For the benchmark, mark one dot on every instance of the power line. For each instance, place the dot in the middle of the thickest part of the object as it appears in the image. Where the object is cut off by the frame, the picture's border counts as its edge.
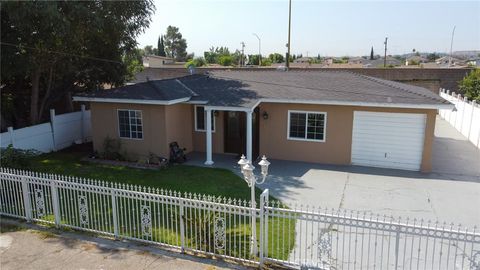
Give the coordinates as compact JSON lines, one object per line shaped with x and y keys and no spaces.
{"x":62,"y":53}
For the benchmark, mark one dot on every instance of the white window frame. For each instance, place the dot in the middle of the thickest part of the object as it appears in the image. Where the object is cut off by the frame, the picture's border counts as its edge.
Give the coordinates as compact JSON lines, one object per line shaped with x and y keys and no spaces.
{"x":306,"y":126}
{"x":118,"y":124}
{"x":205,"y":119}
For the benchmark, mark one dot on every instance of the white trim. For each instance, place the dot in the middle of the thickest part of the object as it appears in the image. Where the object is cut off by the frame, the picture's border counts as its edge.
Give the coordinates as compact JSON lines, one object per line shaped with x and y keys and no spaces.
{"x":267,"y":100}
{"x":118,"y":125}
{"x":306,"y":126}
{"x":201,"y":102}
{"x":131,"y":101}
{"x":355,"y":103}
{"x":231,"y":109}
{"x":204,"y":119}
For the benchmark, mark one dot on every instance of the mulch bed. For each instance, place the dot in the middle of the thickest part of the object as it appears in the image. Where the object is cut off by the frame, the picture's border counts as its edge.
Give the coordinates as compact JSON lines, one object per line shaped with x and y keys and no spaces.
{"x":127,"y":163}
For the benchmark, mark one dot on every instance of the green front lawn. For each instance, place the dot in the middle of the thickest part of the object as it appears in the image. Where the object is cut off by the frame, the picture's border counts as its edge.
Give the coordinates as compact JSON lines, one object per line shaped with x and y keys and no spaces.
{"x":183,"y":178}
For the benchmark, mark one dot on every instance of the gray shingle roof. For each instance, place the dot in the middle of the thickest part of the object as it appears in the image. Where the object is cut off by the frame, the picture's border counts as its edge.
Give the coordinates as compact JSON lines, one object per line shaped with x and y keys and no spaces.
{"x":246,"y":88}
{"x":161,"y":90}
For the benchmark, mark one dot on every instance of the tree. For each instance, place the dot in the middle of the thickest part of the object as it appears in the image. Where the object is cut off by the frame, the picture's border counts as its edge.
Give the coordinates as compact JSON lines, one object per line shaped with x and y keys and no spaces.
{"x":372,"y":57}
{"x":161,"y":47}
{"x":432,"y":57}
{"x":253,"y":59}
{"x":470,"y":85}
{"x":175,"y":44}
{"x":134,"y":63}
{"x":55,"y":52}
{"x":149,"y":50}
{"x":276,"y":58}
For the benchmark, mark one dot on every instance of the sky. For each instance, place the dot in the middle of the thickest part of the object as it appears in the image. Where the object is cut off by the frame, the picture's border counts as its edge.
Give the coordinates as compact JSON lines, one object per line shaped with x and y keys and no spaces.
{"x":333,"y":28}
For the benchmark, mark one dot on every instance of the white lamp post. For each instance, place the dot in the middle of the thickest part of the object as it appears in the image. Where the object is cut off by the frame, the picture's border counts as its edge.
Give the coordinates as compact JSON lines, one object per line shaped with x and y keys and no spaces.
{"x":249,"y":177}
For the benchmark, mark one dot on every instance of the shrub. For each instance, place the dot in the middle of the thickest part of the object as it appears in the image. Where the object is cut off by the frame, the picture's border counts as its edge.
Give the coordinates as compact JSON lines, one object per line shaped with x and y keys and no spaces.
{"x":470,"y":85}
{"x":111,"y":149}
{"x":225,"y":60}
{"x":197,"y":62}
{"x":16,"y":158}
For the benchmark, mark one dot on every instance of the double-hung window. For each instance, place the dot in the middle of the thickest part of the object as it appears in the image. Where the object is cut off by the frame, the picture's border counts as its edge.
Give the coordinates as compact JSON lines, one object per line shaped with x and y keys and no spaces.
{"x":201,"y":119}
{"x":307,"y":126}
{"x":130,"y":124}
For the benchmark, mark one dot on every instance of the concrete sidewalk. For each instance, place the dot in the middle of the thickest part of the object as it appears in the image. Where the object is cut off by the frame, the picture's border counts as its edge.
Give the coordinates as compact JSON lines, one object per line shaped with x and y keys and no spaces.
{"x":28,"y":246}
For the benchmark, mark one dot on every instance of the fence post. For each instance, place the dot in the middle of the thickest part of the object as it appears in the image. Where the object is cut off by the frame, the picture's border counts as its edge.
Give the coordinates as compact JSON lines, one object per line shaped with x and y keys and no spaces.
{"x":26,"y":199}
{"x":52,"y":124}
{"x":182,"y":225}
{"x":263,"y":221}
{"x":474,"y":102}
{"x":56,"y":205}
{"x":114,"y":212}
{"x":397,"y":246}
{"x":12,"y":138}
{"x":82,"y":124}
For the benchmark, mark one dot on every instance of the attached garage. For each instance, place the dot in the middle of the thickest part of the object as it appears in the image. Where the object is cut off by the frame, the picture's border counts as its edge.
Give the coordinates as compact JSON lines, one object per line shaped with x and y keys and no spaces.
{"x":388,"y":140}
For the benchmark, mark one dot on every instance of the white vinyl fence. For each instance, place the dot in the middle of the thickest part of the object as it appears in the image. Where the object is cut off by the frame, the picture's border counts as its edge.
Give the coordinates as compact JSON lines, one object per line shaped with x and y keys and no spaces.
{"x":61,"y":132}
{"x":465,"y":118}
{"x":303,"y":237}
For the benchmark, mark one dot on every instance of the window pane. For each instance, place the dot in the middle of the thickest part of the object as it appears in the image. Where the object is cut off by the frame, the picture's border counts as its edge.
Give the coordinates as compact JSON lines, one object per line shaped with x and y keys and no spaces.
{"x":130,"y":124}
{"x":297,"y":125}
{"x":200,"y":118}
{"x":316,"y":126}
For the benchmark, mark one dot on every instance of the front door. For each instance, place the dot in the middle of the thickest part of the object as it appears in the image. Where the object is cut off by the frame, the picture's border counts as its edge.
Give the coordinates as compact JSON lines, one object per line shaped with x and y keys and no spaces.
{"x":235,"y":133}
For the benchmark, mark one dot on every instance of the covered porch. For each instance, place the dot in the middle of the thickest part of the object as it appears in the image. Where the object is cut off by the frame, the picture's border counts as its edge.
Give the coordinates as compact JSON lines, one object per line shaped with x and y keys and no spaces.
{"x":239,"y":133}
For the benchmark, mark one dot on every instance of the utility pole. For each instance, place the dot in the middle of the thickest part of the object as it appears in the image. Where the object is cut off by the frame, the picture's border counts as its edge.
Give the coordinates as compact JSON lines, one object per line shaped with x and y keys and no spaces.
{"x":289,"y":26}
{"x":451,"y":46}
{"x":242,"y":63}
{"x":385,"y":57}
{"x":259,"y":50}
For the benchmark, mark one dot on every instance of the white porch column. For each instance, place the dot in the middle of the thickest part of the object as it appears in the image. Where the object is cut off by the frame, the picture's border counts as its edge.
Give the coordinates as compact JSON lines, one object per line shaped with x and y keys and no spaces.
{"x":249,"y":135}
{"x":208,"y":136}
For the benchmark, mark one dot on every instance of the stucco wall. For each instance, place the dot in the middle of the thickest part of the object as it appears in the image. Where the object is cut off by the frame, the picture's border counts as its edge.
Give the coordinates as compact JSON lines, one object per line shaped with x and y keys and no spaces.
{"x":199,"y":140}
{"x":179,"y":125}
{"x":337,"y":147}
{"x":105,"y":123}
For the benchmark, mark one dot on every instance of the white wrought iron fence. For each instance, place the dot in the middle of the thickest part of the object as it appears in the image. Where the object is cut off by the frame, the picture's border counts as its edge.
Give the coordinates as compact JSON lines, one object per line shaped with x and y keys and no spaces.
{"x":309,"y":238}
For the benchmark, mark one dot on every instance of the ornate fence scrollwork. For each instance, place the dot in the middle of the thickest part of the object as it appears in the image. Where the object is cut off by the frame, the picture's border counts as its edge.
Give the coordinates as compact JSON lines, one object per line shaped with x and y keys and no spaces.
{"x":219,"y":230}
{"x":83,"y":209}
{"x":40,"y":202}
{"x":324,"y":243}
{"x":146,"y":220}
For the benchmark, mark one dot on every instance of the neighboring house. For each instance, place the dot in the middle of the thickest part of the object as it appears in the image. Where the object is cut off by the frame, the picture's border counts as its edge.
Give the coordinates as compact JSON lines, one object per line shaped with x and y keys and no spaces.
{"x":155,"y":61}
{"x":330,"y":117}
{"x":391,"y":61}
{"x":444,"y":61}
{"x":358,"y":60}
{"x":415,"y":60}
{"x":473,"y":62}
{"x":303,"y":60}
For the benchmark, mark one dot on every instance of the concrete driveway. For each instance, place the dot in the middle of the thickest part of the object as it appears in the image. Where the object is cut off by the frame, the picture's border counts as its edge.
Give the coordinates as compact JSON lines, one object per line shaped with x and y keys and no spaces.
{"x":451,"y":193}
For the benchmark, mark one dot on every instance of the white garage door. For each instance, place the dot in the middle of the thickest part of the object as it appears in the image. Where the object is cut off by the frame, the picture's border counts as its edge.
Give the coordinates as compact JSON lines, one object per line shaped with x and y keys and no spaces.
{"x":388,"y":140}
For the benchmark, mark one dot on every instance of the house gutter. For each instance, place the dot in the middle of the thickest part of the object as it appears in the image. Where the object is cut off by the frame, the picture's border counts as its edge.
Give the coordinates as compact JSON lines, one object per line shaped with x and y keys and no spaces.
{"x":131,"y":101}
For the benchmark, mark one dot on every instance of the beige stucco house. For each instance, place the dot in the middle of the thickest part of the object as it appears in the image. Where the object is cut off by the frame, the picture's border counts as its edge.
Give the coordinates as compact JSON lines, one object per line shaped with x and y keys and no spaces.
{"x":329,"y":117}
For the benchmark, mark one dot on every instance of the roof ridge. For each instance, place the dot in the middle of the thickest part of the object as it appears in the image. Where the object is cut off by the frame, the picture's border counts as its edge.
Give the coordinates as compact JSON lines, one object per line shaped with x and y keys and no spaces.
{"x":186,"y":87}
